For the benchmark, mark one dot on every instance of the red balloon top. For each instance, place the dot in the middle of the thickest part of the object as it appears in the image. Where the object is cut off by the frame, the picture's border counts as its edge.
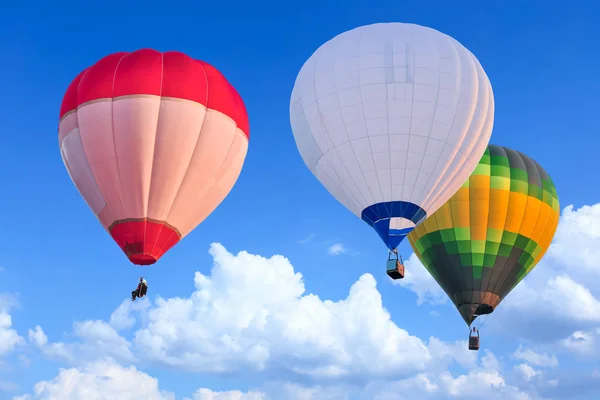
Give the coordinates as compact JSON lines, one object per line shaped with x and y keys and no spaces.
{"x":150,"y":72}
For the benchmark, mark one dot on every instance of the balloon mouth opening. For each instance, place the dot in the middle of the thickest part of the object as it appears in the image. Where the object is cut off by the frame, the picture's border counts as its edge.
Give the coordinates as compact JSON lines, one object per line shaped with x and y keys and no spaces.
{"x":142,"y":259}
{"x":143,"y":240}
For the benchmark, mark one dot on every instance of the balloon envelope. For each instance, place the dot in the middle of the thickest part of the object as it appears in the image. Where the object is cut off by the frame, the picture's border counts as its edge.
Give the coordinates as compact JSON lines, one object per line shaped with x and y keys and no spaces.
{"x":392,"y":119}
{"x":491,"y":233}
{"x":154,"y":142}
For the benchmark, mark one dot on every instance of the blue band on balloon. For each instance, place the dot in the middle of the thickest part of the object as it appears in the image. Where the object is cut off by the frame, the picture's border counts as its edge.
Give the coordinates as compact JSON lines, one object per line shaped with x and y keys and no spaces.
{"x":379,"y":215}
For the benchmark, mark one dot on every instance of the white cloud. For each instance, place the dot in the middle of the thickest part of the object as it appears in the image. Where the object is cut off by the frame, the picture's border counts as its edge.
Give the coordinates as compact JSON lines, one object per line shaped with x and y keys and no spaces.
{"x":576,"y":243}
{"x":207,"y":394}
{"x":307,"y":238}
{"x":560,"y":298}
{"x":9,"y":338}
{"x":252,"y":315}
{"x":584,"y":343}
{"x":337,"y":249}
{"x":418,"y":280}
{"x":253,"y":312}
{"x":540,"y":360}
{"x":99,"y":380}
{"x":107,"y":379}
{"x":482,"y":380}
{"x":124,"y":316}
{"x":96,"y":339}
{"x":526,"y":371}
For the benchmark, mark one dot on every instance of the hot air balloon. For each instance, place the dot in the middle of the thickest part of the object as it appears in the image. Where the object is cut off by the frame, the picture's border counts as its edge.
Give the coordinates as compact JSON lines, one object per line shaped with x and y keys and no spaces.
{"x":491,"y":233}
{"x":154,"y":142}
{"x":392,"y":118}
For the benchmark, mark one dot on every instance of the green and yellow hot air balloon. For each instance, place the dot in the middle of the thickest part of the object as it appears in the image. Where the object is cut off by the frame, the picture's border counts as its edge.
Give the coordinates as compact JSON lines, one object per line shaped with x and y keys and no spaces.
{"x":491,"y":233}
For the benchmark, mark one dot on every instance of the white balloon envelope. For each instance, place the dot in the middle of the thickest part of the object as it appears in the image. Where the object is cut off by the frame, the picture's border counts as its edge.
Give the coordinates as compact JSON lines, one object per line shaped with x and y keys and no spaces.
{"x":392,"y":119}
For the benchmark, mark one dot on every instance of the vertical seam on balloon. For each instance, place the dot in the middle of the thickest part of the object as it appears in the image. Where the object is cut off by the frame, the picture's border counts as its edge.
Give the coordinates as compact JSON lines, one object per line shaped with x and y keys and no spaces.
{"x":437,"y":98}
{"x":435,"y":221}
{"x":362,"y":104}
{"x":508,"y":208}
{"x":472,"y":256}
{"x":193,"y":152}
{"x":453,"y":174}
{"x":366,"y":201}
{"x":69,"y":169}
{"x":324,"y":128}
{"x":522,"y":217}
{"x":111,"y":208}
{"x":463,"y":138}
{"x":112,"y":110}
{"x":444,"y":170}
{"x":537,"y":220}
{"x":481,"y":283}
{"x":459,"y":72}
{"x":162,"y":75}
{"x":461,"y":274}
{"x":387,"y":114}
{"x":471,"y":287}
{"x":505,"y":270}
{"x":334,"y":148}
{"x":100,"y":186}
{"x":221,"y":166}
{"x":487,"y":287}
{"x":487,"y":227}
{"x":408,"y":48}
{"x":539,"y":209}
{"x":238,"y":104}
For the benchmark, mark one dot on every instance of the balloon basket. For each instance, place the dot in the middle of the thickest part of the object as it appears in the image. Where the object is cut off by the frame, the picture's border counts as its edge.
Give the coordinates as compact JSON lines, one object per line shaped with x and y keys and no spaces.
{"x":395,"y":269}
{"x":473,"y":342}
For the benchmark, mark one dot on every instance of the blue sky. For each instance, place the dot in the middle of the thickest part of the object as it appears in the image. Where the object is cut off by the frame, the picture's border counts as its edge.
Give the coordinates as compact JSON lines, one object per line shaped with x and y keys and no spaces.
{"x":61,"y":266}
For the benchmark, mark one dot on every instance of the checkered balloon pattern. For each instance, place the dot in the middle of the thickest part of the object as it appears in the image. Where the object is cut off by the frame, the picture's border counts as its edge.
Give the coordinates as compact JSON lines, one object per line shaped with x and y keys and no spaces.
{"x":491,"y":233}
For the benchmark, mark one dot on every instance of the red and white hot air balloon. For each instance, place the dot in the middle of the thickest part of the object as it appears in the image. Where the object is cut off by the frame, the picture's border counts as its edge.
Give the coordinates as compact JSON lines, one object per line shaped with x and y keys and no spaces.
{"x":154,"y":142}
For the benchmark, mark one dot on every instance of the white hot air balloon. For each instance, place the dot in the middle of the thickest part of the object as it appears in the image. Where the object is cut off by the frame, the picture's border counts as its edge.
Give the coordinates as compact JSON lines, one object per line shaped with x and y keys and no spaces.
{"x":392,"y":119}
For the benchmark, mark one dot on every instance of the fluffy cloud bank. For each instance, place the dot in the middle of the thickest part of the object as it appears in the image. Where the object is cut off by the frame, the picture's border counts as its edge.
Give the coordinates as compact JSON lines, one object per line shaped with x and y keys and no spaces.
{"x":9,"y":338}
{"x":252,"y":314}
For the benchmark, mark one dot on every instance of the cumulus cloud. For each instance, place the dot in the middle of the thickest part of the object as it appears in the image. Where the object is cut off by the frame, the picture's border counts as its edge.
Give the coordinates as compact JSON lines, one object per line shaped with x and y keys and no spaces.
{"x":583,"y":343}
{"x":9,"y":338}
{"x":418,"y":280}
{"x":252,"y":314}
{"x":96,"y":339}
{"x":537,"y":359}
{"x":526,"y":371}
{"x":484,"y":379}
{"x":577,"y":238}
{"x":207,"y":394}
{"x":107,"y":379}
{"x":337,"y":249}
{"x":99,"y":380}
